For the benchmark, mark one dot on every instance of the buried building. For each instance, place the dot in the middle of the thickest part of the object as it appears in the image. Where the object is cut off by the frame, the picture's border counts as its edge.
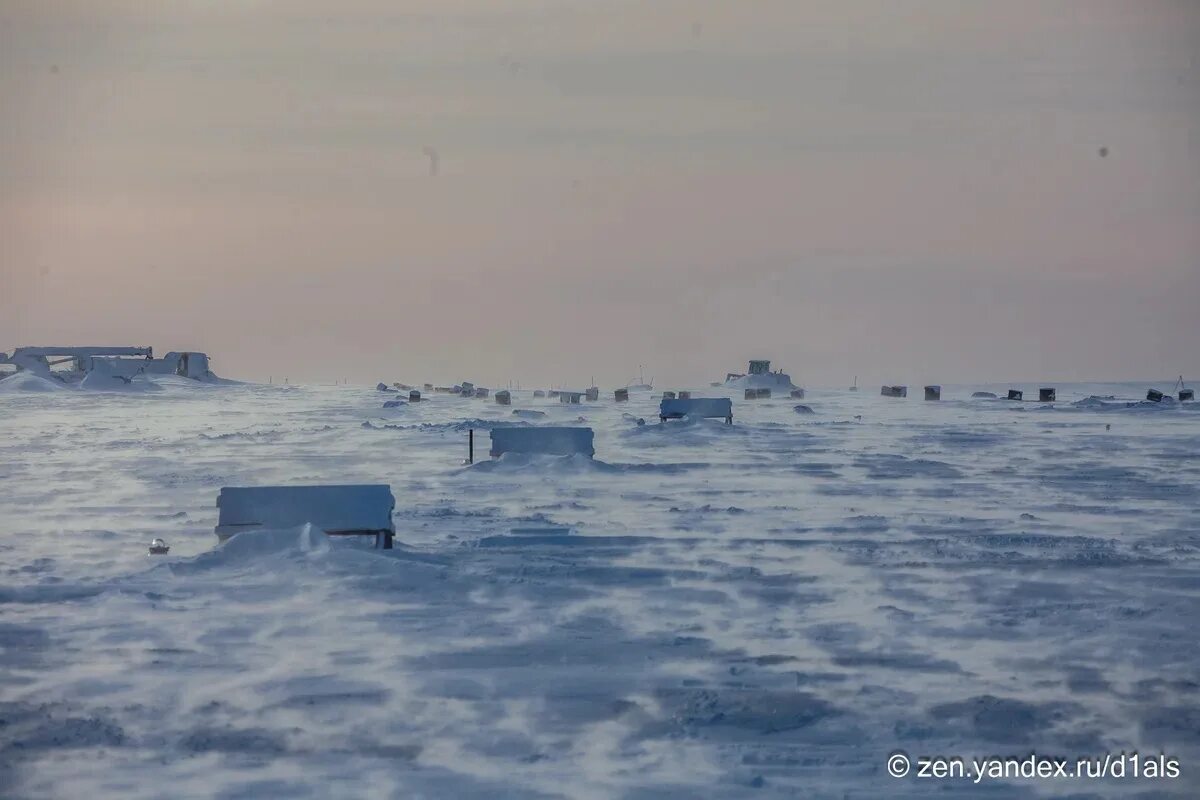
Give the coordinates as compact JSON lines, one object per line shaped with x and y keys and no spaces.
{"x":543,"y":440}
{"x":696,"y":407}
{"x":760,"y":376}
{"x":72,"y":364}
{"x":337,"y":510}
{"x":1186,"y":395}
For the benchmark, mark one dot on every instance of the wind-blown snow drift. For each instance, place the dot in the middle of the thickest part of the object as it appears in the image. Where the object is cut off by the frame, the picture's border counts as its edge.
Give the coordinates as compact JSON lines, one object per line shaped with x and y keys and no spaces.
{"x":766,"y":609}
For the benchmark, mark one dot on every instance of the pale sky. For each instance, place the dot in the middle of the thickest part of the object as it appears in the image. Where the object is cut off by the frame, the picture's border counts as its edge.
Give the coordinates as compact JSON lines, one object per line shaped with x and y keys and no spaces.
{"x":907,"y":191}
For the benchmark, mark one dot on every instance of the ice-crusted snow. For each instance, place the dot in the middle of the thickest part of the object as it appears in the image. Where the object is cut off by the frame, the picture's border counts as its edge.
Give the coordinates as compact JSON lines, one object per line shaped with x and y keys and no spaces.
{"x":765,"y":609}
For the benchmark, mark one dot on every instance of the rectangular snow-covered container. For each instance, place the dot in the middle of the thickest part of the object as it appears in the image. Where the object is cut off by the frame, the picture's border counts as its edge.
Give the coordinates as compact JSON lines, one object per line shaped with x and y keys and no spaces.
{"x":719,"y":407}
{"x":543,"y":439}
{"x":336,"y":510}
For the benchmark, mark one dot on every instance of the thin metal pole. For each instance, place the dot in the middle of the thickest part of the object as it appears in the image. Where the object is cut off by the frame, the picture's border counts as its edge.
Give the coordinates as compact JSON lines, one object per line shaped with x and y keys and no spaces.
{"x":470,"y":445}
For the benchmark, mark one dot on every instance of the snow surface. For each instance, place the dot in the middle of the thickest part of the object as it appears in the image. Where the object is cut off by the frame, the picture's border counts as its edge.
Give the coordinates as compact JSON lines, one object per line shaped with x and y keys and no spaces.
{"x":766,"y":609}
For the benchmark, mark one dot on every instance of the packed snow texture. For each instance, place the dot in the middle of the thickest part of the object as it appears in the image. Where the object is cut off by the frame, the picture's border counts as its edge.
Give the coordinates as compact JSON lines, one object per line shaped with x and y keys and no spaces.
{"x":767,"y":609}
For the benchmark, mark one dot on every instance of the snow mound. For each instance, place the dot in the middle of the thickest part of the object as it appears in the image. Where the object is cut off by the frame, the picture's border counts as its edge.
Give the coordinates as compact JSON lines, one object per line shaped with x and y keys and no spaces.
{"x":534,"y":462}
{"x":1094,"y":403}
{"x":302,"y":541}
{"x":104,"y":378}
{"x":28,"y":382}
{"x":689,"y":430}
{"x":577,"y":464}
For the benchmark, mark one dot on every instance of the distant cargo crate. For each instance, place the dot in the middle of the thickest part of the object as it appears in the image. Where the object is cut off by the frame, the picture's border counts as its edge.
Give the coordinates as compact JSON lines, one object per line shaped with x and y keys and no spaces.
{"x":708,"y":407}
{"x":894,"y":391}
{"x":933,"y":393}
{"x":1016,"y":394}
{"x":1046,"y":395}
{"x":546,"y":440}
{"x":349,"y":510}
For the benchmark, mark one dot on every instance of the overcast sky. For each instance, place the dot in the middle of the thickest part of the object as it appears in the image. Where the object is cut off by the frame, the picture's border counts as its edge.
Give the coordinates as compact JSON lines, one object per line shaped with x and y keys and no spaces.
{"x":550,"y":191}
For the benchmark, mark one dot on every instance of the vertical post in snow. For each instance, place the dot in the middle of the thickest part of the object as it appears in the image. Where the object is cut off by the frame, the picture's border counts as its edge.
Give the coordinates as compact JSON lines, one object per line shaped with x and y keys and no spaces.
{"x":470,"y":445}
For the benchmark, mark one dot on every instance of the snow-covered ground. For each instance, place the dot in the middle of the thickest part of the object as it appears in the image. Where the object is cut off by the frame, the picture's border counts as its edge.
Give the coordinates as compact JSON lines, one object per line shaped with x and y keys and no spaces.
{"x":764,"y":609}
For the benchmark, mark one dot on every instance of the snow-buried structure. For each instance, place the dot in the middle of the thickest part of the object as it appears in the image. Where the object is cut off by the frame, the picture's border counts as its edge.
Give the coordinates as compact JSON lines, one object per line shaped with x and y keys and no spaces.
{"x":349,"y":510}
{"x":558,"y":441}
{"x":76,"y":363}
